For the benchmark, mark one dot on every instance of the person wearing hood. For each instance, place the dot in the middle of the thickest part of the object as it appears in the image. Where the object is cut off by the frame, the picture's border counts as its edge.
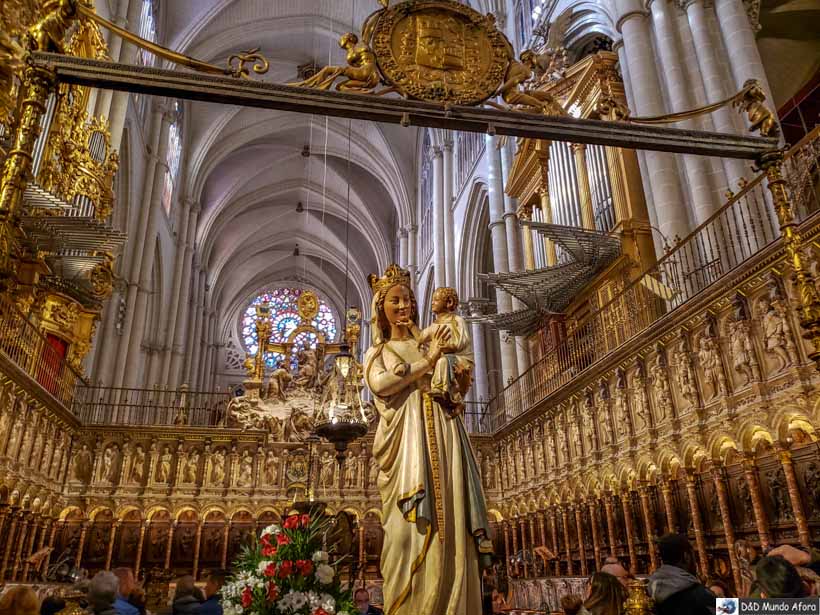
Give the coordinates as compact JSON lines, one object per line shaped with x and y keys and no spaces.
{"x":185,"y":601}
{"x":674,"y":587}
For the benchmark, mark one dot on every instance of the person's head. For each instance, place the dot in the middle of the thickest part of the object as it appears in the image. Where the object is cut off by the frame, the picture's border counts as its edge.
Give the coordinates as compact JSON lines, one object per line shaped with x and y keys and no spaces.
{"x":216,"y":579}
{"x":718,"y":588}
{"x":777,"y":578}
{"x":51,"y":605}
{"x":675,"y":550}
{"x":606,"y":595}
{"x":617,"y":570}
{"x":185,"y":587}
{"x":103,"y":590}
{"x":571,"y":604}
{"x":126,"y":580}
{"x":445,"y":299}
{"x":393,"y":302}
{"x":19,"y":601}
{"x":362,"y":599}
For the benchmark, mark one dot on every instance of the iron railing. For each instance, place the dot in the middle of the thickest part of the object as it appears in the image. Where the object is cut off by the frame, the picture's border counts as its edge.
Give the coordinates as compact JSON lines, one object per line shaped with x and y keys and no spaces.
{"x":741,"y":228}
{"x":95,"y":405}
{"x":476,"y":418}
{"x":40,"y":357}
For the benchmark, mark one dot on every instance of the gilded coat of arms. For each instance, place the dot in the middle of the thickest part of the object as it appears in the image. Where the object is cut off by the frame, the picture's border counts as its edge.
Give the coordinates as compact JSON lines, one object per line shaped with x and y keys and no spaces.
{"x":439,"y":51}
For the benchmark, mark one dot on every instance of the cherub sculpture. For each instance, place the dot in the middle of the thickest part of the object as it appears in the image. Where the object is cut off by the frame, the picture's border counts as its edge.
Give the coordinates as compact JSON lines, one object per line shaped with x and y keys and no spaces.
{"x":752,"y":102}
{"x":516,"y":92}
{"x":360,"y":73}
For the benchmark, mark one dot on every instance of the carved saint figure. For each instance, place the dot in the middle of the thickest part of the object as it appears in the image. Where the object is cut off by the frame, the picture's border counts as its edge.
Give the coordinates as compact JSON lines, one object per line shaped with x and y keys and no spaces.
{"x":306,"y":376}
{"x":350,"y":474}
{"x":278,"y":382}
{"x":780,"y":495}
{"x":776,"y":333}
{"x":81,"y":465}
{"x":271,"y":469}
{"x":244,"y":474}
{"x":621,"y":412}
{"x":588,"y":429}
{"x":191,"y":467}
{"x":107,"y":469}
{"x":372,"y":472}
{"x":452,"y":373}
{"x":326,"y":473}
{"x":137,"y":474}
{"x":164,"y":465}
{"x":660,"y":388}
{"x":685,"y":375}
{"x":218,"y":468}
{"x":446,"y":578}
{"x":639,"y":401}
{"x":743,"y":360}
{"x":709,"y":360}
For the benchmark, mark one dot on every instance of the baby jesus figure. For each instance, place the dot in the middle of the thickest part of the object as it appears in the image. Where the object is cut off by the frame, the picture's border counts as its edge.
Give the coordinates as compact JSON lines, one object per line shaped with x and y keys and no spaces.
{"x":453,"y":372}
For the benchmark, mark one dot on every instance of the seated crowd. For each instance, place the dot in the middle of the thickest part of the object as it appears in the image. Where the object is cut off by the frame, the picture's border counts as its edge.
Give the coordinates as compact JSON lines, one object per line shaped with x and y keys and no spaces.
{"x":117,"y":593}
{"x":783,"y":572}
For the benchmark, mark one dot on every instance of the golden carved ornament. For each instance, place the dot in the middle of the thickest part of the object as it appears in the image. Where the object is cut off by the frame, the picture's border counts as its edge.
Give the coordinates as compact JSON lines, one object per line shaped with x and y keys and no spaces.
{"x":102,"y":276}
{"x":439,"y":51}
{"x":62,"y":314}
{"x":308,"y":306}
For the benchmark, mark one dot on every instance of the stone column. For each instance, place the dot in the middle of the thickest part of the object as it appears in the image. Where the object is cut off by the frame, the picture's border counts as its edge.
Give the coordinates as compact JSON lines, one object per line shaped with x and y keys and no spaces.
{"x":112,"y":539}
{"x":741,"y":46}
{"x":579,"y":526}
{"x":666,"y":192}
{"x":81,"y":545}
{"x":510,"y":207}
{"x":596,"y":538}
{"x":533,"y":540}
{"x":482,"y":387}
{"x":750,"y":474}
{"x":127,"y":55}
{"x":698,"y":169}
{"x":697,"y":522}
{"x":649,"y":522}
{"x":567,"y":544}
{"x":183,"y":311}
{"x":449,"y":227}
{"x":542,"y":532}
{"x":172,"y":317}
{"x":719,"y":480}
{"x":412,"y":251}
{"x":495,"y":189}
{"x":138,"y":557}
{"x":197,"y":543}
{"x":52,"y":536}
{"x":143,"y":261}
{"x":800,"y":520}
{"x":669,"y":506}
{"x":554,"y":534}
{"x":713,"y":82}
{"x":629,"y":526}
{"x":3,"y":514}
{"x":29,"y":548}
{"x":439,"y":249}
{"x":170,"y":544}
{"x":610,"y":523}
{"x":403,"y":248}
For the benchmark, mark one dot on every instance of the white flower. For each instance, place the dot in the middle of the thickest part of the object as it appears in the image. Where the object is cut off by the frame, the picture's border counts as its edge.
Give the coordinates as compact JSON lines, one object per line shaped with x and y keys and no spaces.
{"x":272,"y":529}
{"x":260,"y":569}
{"x":321,"y":556}
{"x":328,"y":604}
{"x":325,"y":574}
{"x":229,"y":608}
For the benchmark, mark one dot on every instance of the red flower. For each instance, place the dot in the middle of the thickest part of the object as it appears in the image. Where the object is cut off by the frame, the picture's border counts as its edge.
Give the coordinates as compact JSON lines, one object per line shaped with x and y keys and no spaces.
{"x":281,"y":539}
{"x":285,"y":569}
{"x":247,"y":597}
{"x":268,"y":551}
{"x":273,"y":590}
{"x":266,"y":540}
{"x":291,"y":523}
{"x":305,"y":519}
{"x":320,"y":611}
{"x":305,"y":567}
{"x":270,"y":570}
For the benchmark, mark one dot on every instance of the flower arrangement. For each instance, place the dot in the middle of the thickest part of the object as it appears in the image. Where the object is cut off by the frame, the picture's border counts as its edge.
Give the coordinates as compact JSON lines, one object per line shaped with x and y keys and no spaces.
{"x":286,"y":572}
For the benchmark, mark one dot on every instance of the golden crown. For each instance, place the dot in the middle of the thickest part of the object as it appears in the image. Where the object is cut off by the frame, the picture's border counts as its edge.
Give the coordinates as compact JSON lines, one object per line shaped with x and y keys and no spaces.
{"x":393,"y":275}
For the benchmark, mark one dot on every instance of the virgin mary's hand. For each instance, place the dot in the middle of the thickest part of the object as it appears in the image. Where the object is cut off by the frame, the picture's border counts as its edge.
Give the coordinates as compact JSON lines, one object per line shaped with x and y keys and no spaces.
{"x":438,"y":344}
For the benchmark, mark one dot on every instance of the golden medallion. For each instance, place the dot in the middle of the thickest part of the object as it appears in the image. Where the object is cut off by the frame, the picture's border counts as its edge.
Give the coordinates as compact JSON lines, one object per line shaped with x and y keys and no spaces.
{"x":308,"y":306}
{"x":440,"y":51}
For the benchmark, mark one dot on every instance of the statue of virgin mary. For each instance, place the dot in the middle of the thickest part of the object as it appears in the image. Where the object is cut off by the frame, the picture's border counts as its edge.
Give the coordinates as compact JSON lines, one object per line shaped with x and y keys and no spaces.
{"x":433,"y":508}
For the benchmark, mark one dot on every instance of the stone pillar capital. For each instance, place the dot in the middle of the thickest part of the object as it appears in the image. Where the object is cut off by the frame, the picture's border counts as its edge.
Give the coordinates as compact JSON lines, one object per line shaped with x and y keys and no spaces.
{"x":436,"y":151}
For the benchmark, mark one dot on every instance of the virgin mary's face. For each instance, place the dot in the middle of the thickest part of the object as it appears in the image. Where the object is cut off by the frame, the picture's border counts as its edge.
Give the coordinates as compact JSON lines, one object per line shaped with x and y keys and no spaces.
{"x":398,"y":305}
